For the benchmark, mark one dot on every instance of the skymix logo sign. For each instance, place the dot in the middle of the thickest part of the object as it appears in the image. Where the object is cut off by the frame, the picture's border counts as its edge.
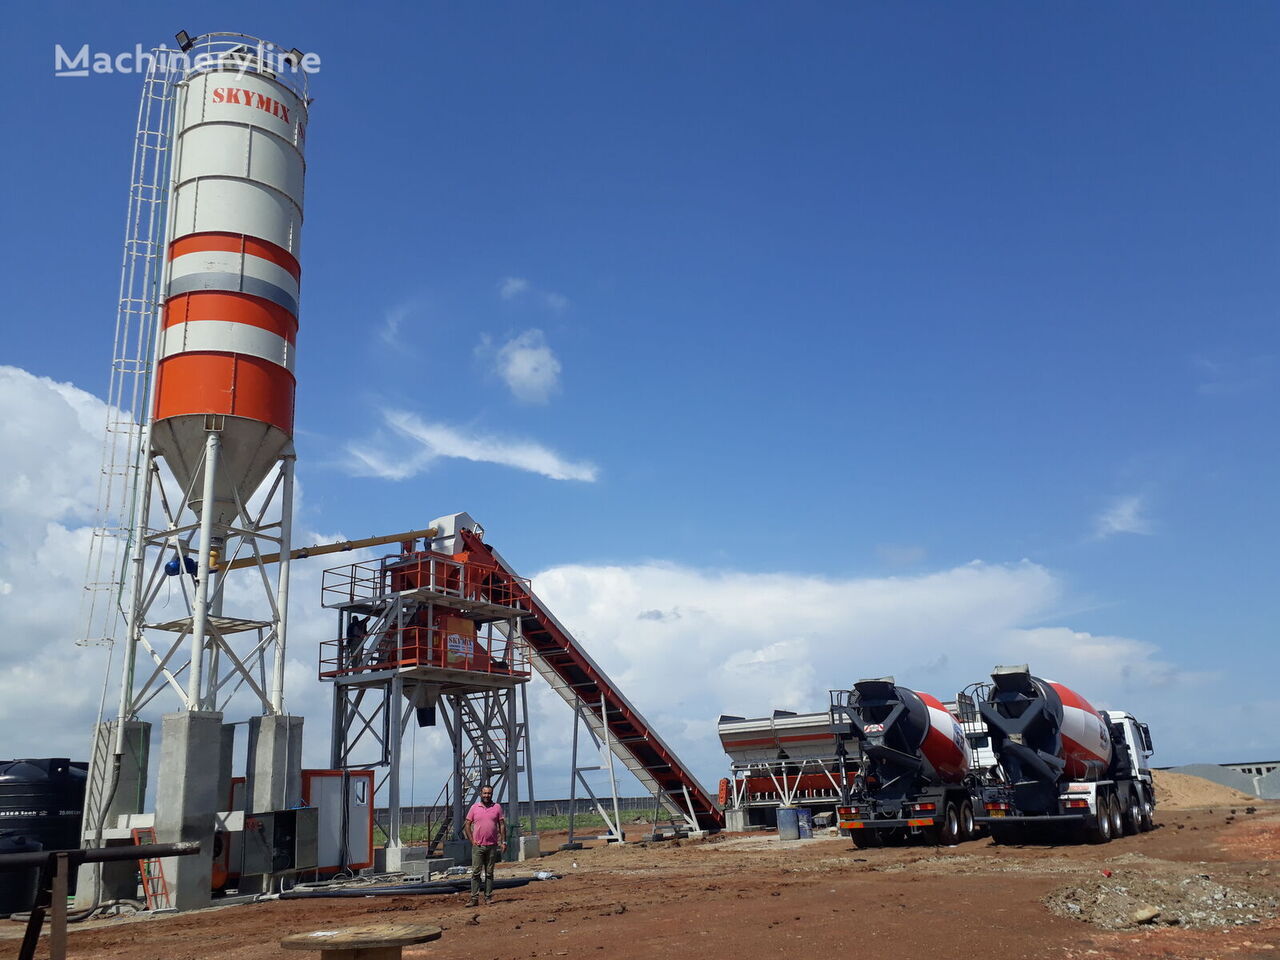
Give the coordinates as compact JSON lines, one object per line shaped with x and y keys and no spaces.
{"x":86,"y":62}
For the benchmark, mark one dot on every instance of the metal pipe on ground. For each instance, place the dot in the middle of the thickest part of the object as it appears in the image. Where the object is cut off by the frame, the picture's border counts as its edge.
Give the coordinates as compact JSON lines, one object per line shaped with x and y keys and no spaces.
{"x":401,"y":890}
{"x":55,"y":873}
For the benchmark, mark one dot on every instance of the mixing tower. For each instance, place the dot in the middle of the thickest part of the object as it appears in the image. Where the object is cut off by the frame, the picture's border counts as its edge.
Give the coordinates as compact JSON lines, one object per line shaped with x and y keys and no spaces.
{"x":427,"y":636}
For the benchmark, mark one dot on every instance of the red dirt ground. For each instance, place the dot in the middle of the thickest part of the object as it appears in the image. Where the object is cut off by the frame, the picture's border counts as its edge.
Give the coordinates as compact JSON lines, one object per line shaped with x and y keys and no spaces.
{"x":752,"y":897}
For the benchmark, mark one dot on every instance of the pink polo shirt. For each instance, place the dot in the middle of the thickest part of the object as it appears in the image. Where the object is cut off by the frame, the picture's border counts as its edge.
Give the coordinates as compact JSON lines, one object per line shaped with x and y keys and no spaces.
{"x":484,"y":823}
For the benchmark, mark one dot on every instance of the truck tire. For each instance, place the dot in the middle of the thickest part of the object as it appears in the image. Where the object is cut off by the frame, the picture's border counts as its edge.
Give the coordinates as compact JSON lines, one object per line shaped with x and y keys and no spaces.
{"x":947,"y":833}
{"x":1148,"y":811}
{"x":1117,"y":817}
{"x":968,"y":829}
{"x":1100,"y":831}
{"x":1133,"y":815}
{"x":862,"y":839}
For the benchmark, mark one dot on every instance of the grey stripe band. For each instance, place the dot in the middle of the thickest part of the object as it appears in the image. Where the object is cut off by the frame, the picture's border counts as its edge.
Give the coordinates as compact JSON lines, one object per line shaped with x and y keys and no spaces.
{"x":234,"y":283}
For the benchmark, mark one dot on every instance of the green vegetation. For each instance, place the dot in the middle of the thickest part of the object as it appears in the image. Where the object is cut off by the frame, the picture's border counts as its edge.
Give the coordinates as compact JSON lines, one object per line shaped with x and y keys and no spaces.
{"x":582,"y":823}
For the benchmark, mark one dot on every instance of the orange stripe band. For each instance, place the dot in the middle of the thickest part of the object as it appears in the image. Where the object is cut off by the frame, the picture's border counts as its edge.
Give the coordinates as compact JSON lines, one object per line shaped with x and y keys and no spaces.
{"x":238,"y":307}
{"x":1070,"y":698}
{"x":225,"y":383}
{"x":235,"y":243}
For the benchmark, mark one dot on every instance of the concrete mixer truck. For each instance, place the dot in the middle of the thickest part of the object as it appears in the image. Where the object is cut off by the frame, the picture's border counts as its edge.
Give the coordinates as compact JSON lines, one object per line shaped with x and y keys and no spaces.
{"x":1061,"y":765}
{"x":914,"y":778}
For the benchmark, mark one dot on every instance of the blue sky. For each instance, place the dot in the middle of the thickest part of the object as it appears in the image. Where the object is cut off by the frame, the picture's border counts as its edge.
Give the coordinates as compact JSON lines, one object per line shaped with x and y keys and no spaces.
{"x":843,"y":291}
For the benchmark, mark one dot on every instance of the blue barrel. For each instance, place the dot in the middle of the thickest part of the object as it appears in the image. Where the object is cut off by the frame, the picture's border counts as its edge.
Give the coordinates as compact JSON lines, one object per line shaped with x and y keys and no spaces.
{"x":804,"y":816}
{"x":788,"y":823}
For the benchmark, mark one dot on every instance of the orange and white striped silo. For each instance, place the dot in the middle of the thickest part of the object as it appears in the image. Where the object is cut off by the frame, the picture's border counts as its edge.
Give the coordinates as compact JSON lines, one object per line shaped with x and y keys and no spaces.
{"x":224,"y":377}
{"x":230,"y":318}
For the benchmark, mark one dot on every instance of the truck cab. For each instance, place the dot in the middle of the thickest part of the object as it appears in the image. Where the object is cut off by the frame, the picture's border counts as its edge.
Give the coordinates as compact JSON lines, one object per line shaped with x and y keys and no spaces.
{"x":1136,"y":738}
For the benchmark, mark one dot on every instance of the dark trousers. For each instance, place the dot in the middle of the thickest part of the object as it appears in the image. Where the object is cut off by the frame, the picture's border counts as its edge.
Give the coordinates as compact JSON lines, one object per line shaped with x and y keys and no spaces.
{"x":483,"y":860}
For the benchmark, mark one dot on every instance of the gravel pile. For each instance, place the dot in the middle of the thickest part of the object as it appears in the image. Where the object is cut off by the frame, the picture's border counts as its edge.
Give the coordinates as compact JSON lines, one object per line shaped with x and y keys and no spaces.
{"x":1194,"y":901}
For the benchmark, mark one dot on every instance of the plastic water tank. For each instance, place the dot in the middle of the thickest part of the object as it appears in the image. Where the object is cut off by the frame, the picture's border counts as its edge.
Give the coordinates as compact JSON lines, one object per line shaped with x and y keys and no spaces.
{"x":43,"y":800}
{"x":17,"y":887}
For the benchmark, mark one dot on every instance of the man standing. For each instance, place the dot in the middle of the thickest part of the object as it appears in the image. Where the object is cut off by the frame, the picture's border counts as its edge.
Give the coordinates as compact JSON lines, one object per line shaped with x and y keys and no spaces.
{"x":486,"y":828}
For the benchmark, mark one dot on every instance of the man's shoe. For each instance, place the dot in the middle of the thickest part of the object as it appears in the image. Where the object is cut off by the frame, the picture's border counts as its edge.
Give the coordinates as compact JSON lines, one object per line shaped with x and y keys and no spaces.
{"x":488,"y":901}
{"x":473,"y":902}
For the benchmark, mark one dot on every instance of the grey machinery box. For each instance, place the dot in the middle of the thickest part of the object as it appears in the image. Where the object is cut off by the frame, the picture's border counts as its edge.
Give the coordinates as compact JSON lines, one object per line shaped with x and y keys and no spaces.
{"x":280,"y":841}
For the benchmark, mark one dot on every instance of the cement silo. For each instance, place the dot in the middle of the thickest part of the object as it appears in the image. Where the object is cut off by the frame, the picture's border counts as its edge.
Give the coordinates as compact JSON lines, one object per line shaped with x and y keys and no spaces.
{"x":207,"y":330}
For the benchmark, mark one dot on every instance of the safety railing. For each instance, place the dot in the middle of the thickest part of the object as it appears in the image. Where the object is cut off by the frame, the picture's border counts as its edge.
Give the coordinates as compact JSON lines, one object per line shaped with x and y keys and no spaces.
{"x":400,"y":647}
{"x":244,"y":54}
{"x":375,"y":580}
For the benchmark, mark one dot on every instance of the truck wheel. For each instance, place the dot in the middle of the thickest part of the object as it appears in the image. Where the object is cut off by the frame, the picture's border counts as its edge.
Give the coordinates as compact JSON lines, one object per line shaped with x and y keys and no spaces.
{"x":949,"y":828}
{"x":1133,"y":816}
{"x":862,"y":839}
{"x":1100,"y":832}
{"x":1148,"y":808}
{"x":968,"y":829}
{"x":1117,"y":817}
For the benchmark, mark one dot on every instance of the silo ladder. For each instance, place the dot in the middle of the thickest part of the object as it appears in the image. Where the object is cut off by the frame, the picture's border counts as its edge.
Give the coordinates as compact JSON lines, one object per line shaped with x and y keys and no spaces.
{"x":151,"y":871}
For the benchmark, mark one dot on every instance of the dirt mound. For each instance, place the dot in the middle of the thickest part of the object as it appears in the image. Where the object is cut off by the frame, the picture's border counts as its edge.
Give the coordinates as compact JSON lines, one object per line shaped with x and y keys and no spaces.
{"x":1178,"y":791}
{"x":1194,"y":901}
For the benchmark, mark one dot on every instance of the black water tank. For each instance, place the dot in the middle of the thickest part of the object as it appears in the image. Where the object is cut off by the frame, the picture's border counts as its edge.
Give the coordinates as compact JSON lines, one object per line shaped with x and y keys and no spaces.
{"x":17,"y":887}
{"x":43,"y":800}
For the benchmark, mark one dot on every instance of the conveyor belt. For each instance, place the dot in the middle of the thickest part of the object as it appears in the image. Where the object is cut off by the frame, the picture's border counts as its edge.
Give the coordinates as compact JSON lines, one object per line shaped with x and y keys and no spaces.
{"x":575,"y":676}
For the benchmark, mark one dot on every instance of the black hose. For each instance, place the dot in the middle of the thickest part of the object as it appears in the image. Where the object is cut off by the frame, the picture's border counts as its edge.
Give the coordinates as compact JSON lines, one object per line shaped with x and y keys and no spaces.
{"x":402,"y":890}
{"x":81,"y":915}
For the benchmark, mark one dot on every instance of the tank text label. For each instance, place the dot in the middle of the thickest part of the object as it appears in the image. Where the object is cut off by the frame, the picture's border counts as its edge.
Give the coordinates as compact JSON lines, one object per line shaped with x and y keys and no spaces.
{"x":249,"y":98}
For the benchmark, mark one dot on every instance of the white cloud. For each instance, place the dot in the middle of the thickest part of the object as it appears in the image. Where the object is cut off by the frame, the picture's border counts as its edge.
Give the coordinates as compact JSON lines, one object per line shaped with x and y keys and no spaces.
{"x":389,"y":332}
{"x":432,"y":441}
{"x":747,"y":643}
{"x":511,"y":287}
{"x":50,"y":688}
{"x":529,"y":367}
{"x":683,"y":643}
{"x":1123,"y":515}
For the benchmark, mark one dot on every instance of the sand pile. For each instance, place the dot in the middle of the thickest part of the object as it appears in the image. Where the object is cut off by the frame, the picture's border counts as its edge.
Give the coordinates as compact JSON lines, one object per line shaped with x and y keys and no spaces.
{"x":1176,"y":791}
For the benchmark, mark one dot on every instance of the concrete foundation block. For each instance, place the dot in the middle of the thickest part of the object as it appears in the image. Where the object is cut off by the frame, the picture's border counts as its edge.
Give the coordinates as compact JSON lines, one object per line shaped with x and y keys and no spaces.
{"x":273,"y":780}
{"x":401,"y":858}
{"x":226,"y":763}
{"x":119,"y":880}
{"x":528,"y":848}
{"x":458,"y":850}
{"x":735,"y":819}
{"x":414,"y":860}
{"x":427,"y":868}
{"x":187,"y":800}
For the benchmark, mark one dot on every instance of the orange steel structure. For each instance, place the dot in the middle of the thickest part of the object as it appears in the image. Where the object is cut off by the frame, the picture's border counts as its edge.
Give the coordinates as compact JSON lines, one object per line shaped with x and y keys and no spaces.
{"x":454,"y":626}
